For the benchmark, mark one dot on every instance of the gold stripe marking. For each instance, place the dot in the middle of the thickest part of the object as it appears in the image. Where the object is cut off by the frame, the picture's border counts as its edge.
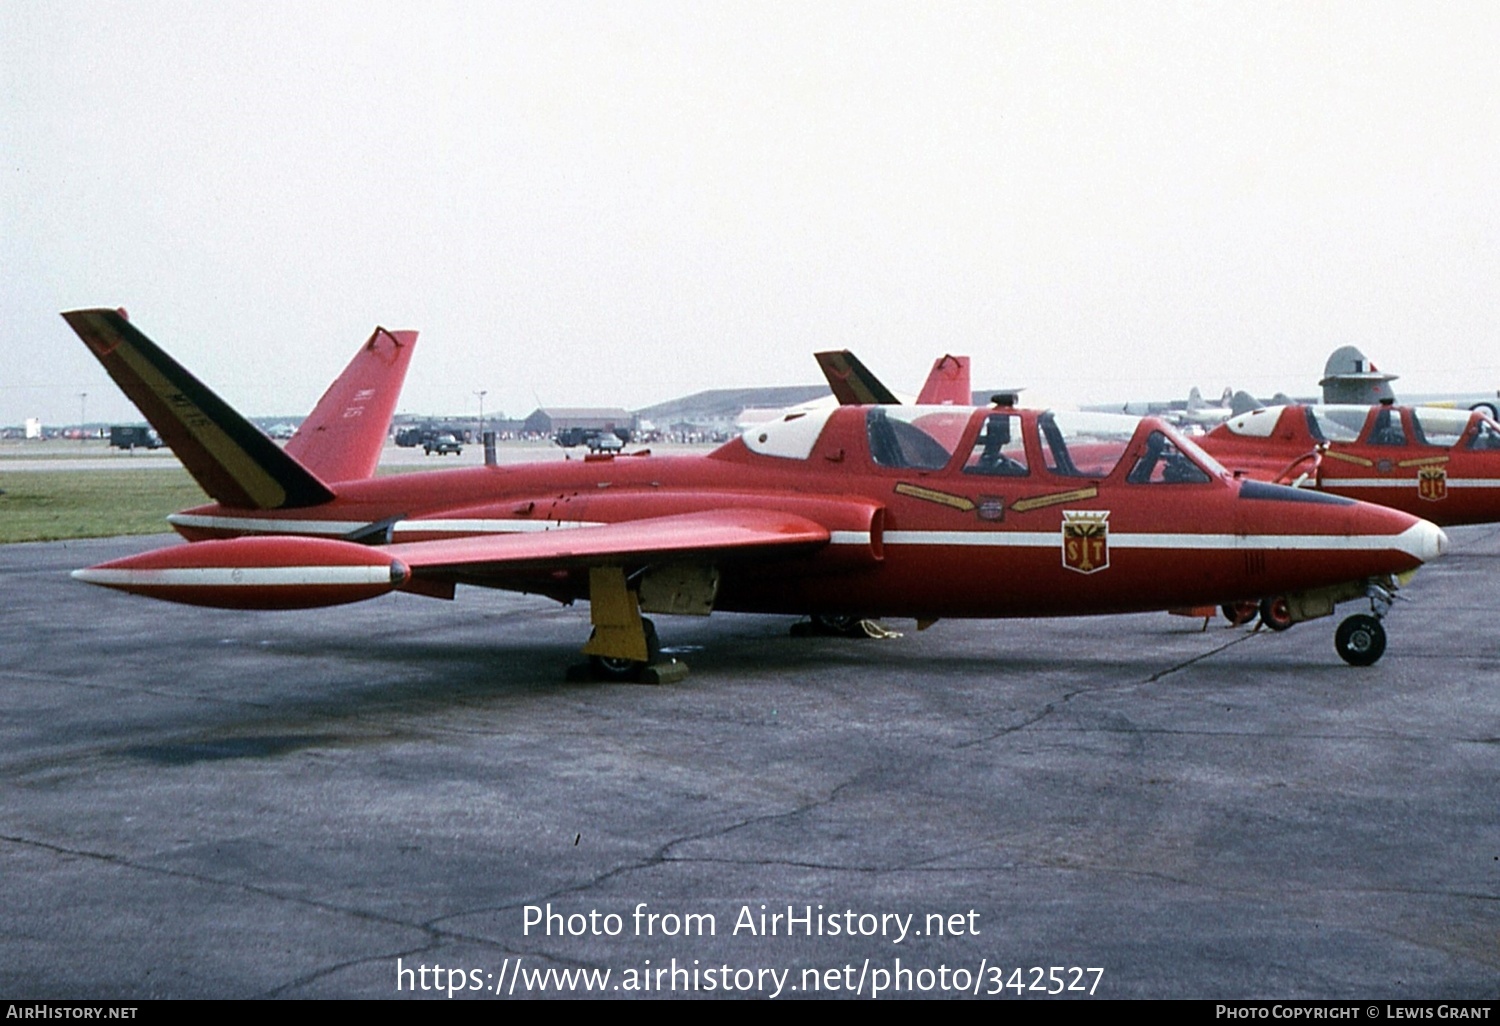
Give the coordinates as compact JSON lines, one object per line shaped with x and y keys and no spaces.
{"x":1425,"y":461}
{"x":1349,"y":459}
{"x":957,"y":502}
{"x":1041,"y":501}
{"x":257,"y":484}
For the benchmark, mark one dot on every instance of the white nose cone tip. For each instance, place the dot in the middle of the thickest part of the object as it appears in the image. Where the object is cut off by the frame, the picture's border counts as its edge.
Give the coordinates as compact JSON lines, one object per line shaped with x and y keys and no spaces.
{"x":1423,"y":540}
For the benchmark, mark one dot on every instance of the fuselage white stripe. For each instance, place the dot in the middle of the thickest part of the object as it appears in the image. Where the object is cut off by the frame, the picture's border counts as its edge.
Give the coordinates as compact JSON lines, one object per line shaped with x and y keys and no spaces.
{"x":1145,"y":540}
{"x":272,"y":525}
{"x":237,"y":577}
{"x":978,"y":538}
{"x":1406,"y":482}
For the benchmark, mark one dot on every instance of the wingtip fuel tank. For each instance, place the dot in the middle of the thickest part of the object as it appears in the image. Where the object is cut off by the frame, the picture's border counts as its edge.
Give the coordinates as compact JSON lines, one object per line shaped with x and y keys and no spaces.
{"x":255,"y":573}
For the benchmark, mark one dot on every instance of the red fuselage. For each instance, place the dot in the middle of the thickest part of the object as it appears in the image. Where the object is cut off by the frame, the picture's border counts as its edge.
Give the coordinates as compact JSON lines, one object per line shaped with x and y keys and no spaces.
{"x":1005,"y":515}
{"x":1439,"y":464}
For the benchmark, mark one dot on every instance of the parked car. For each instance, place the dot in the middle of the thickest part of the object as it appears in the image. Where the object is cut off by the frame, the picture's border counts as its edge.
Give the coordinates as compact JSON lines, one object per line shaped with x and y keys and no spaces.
{"x":442,"y":445}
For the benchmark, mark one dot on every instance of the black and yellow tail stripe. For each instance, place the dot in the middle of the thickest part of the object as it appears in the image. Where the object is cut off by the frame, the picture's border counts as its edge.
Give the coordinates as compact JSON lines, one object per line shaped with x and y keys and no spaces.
{"x":230,"y":458}
{"x":852,"y":382}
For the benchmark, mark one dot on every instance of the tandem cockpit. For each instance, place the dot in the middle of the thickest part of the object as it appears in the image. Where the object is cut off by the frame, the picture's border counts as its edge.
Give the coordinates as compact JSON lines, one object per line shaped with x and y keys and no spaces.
{"x":999,"y":441}
{"x":1381,"y":425}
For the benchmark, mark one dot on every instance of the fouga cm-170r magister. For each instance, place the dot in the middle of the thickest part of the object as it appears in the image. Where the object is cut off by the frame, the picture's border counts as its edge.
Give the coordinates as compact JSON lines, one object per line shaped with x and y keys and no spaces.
{"x":901,"y":511}
{"x":1440,"y":464}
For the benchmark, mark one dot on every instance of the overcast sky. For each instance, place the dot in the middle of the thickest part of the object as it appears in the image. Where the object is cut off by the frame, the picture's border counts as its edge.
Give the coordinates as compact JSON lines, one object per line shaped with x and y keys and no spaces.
{"x":619,"y":203}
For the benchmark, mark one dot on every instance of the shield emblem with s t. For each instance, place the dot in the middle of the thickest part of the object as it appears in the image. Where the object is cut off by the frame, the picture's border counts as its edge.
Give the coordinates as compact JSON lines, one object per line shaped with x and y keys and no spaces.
{"x":1432,"y":483}
{"x":1085,"y":537}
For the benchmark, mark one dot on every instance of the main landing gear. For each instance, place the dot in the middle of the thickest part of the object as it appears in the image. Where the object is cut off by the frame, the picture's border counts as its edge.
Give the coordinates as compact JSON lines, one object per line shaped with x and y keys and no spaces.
{"x":831,"y":625}
{"x":622,"y":669}
{"x":623,"y":646}
{"x":623,"y":642}
{"x":850,"y":627}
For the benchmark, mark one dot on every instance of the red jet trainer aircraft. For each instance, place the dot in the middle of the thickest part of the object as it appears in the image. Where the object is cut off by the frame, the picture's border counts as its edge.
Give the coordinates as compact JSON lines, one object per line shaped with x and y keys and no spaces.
{"x":916,"y":511}
{"x":1439,"y":464}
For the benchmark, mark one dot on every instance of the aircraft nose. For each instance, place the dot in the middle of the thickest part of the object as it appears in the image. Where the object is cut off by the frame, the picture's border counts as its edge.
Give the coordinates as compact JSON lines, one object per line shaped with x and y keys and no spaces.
{"x":1424,"y":541}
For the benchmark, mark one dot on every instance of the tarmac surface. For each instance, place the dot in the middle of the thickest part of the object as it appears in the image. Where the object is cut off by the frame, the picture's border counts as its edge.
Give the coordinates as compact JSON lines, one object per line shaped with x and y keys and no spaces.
{"x":196,"y":803}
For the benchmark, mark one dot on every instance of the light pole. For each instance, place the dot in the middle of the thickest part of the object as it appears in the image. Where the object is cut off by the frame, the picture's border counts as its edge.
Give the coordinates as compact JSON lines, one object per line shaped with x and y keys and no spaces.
{"x":83,"y":416}
{"x":481,"y":393}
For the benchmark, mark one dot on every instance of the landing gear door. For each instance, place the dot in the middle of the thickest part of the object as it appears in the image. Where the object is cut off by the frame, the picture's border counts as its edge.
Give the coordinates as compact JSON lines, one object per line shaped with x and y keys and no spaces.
{"x":686,"y":589}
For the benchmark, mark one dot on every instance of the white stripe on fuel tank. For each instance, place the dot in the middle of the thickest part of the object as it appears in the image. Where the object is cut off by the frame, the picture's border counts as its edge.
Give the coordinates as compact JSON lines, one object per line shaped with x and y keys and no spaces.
{"x":236,"y":577}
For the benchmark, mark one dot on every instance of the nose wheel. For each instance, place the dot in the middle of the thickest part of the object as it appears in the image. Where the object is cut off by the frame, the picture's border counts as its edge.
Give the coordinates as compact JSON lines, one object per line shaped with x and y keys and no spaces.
{"x":1360,"y":639}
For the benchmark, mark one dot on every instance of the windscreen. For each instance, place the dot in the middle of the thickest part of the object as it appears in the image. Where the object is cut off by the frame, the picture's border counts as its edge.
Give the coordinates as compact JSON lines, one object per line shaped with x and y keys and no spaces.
{"x":915,"y":437}
{"x":1084,"y":444}
{"x":1439,"y":426}
{"x":1338,"y":423}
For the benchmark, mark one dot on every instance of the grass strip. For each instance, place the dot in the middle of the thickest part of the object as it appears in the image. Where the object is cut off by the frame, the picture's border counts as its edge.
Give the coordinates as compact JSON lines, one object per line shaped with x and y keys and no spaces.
{"x":51,"y":505}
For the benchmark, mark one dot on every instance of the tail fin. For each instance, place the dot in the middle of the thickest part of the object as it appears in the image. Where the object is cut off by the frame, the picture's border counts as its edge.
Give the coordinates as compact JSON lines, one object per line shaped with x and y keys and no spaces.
{"x":230,"y":458}
{"x":341,"y":439}
{"x":1349,"y":377}
{"x":852,"y":382}
{"x":947,"y":383}
{"x":1243,"y":402}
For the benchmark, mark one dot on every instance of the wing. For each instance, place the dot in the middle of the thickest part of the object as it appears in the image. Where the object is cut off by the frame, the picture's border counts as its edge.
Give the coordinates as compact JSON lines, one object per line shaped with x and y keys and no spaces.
{"x":717,"y":534}
{"x":285,"y":572}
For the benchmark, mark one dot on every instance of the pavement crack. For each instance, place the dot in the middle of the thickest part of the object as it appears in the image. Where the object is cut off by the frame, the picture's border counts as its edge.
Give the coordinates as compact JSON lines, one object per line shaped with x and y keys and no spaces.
{"x":1199,"y":657}
{"x":433,"y":934}
{"x":662,"y":856}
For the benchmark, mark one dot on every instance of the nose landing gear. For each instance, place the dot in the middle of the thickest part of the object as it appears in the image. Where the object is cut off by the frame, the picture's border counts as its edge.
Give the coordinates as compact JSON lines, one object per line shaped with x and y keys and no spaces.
{"x":1360,"y":639}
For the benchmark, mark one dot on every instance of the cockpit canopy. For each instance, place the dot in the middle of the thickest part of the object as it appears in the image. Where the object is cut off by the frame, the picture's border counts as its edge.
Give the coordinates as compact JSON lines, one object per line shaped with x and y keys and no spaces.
{"x":999,"y":442}
{"x":1373,"y":425}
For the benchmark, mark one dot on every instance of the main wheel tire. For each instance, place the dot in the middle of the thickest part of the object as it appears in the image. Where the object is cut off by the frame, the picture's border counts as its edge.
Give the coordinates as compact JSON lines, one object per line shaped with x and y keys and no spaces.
{"x":628,"y":670}
{"x":1360,"y":640}
{"x":1238,"y":613}
{"x":839,"y":626}
{"x":1275,"y":613}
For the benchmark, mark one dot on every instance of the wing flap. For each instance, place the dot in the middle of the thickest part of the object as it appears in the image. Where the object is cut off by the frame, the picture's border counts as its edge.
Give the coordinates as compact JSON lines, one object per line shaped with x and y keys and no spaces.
{"x":724,"y":532}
